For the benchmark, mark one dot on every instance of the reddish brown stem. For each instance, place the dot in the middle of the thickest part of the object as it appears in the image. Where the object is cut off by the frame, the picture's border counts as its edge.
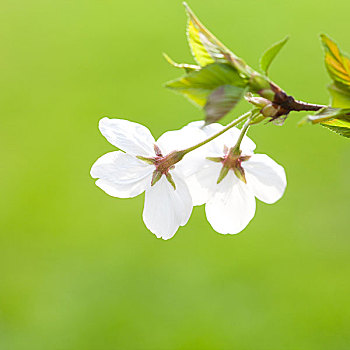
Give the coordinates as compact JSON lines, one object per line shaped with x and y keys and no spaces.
{"x":288,"y":103}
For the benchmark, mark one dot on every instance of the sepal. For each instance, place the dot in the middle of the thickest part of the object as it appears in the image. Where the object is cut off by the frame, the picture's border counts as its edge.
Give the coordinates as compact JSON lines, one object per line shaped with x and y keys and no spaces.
{"x":223,"y":173}
{"x":171,"y":180}
{"x":156,"y":177}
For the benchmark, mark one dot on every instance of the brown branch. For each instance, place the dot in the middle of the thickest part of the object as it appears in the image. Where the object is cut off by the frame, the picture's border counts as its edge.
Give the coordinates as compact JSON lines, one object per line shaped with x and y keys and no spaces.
{"x":304,"y":106}
{"x":288,"y":104}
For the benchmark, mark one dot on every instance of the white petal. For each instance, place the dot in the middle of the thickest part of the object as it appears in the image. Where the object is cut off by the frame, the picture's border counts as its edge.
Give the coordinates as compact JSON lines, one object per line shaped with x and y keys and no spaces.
{"x":231,"y":207}
{"x":207,"y":129}
{"x":247,"y":145}
{"x":132,"y":138}
{"x":228,"y":139}
{"x":181,"y":139}
{"x":121,"y":175}
{"x":165,"y":208}
{"x":203,"y":182}
{"x":177,"y":140}
{"x":265,"y":177}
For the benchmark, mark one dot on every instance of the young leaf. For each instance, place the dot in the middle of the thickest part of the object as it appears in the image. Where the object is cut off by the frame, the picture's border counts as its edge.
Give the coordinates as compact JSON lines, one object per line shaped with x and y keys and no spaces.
{"x":187,"y":67}
{"x":269,"y":55}
{"x":205,"y":47}
{"x":335,"y":119}
{"x":340,"y":127}
{"x":221,"y":101}
{"x":201,"y":87}
{"x":340,"y":97}
{"x":329,"y":113}
{"x":337,"y":64}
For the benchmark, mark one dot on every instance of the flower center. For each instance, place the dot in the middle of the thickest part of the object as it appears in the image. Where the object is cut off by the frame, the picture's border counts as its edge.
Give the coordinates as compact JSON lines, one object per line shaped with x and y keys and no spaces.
{"x":163,"y":164}
{"x":231,"y":161}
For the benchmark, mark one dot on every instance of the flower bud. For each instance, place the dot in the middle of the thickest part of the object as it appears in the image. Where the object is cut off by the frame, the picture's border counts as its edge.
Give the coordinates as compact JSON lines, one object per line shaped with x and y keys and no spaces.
{"x":271,"y":110}
{"x":257,"y":101}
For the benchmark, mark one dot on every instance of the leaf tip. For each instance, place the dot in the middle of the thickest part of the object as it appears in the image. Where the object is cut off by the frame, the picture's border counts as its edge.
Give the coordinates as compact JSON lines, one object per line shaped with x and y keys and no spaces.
{"x":303,"y":121}
{"x":325,"y":39}
{"x":269,"y":55}
{"x":323,"y":36}
{"x":184,"y":3}
{"x":188,"y":10}
{"x":167,"y":85}
{"x":167,"y":58}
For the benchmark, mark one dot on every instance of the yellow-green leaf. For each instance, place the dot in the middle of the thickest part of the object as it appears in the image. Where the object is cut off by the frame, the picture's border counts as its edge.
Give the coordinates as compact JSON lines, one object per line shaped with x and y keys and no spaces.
{"x":205,"y":47}
{"x":217,"y":88}
{"x":335,"y":119}
{"x":328,"y":113}
{"x":341,"y":127}
{"x":187,"y":67}
{"x":270,"y":54}
{"x":340,"y":98}
{"x":337,"y":63}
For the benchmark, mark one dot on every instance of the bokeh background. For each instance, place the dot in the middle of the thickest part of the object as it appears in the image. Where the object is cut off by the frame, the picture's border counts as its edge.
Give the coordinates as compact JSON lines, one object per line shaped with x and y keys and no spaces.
{"x":78,"y":269}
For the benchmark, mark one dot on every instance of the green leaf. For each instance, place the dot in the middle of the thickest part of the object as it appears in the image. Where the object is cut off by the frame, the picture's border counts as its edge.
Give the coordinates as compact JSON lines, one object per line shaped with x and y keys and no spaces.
{"x":337,"y":64}
{"x":269,"y":55}
{"x":187,"y":67}
{"x":205,"y":47}
{"x":340,"y":98}
{"x":335,"y":119}
{"x":221,"y":101}
{"x":341,"y":127}
{"x":329,"y":113}
{"x":202,"y":88}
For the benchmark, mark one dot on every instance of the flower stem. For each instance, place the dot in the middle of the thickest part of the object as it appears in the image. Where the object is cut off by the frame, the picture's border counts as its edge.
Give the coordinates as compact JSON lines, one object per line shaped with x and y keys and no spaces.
{"x":227,"y":127}
{"x":236,"y":148}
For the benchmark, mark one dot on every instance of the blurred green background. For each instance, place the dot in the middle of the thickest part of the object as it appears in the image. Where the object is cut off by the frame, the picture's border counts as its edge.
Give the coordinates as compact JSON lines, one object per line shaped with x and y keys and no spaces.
{"x":78,"y":269}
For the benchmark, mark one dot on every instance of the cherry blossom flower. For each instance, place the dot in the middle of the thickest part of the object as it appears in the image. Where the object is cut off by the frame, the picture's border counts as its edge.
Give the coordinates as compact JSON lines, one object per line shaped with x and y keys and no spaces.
{"x":229,"y":182}
{"x":147,"y":166}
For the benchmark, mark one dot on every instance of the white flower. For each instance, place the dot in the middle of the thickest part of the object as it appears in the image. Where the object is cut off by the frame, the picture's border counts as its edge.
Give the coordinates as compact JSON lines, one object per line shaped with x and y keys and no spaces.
{"x":228,"y":183}
{"x":147,"y":166}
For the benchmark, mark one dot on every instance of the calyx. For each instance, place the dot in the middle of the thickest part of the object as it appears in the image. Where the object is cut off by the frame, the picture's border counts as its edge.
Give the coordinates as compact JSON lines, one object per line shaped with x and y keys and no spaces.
{"x":232,"y":160}
{"x":163,"y":164}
